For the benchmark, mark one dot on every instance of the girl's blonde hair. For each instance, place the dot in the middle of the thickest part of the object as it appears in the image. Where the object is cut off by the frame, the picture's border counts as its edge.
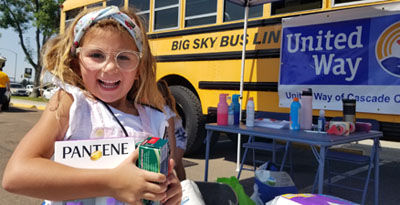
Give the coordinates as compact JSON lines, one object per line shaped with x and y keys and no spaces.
{"x":168,"y":97}
{"x":58,"y":59}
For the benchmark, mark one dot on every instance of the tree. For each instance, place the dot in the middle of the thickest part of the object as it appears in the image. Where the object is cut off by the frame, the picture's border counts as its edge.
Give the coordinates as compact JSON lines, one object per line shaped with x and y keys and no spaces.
{"x":21,"y":15}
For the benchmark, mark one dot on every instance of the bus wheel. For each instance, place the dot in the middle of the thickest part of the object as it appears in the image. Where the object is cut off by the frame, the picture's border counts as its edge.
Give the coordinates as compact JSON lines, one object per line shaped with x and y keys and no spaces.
{"x":189,"y":108}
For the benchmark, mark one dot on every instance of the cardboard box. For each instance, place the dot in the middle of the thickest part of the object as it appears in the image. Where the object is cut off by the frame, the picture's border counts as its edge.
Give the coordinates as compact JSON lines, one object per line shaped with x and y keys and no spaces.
{"x":104,"y":153}
{"x":153,"y":156}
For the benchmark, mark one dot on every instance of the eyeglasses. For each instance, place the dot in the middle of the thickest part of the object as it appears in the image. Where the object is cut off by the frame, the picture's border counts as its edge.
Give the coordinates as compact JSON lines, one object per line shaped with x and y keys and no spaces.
{"x":96,"y":58}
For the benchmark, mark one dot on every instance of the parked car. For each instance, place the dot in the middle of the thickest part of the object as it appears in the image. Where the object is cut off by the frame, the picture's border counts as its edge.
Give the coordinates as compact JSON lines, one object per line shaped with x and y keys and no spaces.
{"x":29,"y":89}
{"x":18,"y":89}
{"x":5,"y":100}
{"x":47,"y":93}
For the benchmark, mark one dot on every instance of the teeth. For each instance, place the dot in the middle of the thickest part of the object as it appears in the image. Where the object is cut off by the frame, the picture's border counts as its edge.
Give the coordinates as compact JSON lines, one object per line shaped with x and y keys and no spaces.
{"x":109,"y":84}
{"x":109,"y":81}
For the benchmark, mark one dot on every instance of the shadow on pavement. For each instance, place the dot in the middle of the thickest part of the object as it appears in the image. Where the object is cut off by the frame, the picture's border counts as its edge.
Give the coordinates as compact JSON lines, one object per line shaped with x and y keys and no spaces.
{"x":16,"y":109}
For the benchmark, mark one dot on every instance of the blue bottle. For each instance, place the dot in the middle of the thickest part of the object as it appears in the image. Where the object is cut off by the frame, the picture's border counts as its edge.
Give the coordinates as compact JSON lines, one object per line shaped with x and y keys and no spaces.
{"x":236,"y":109}
{"x":231,"y":112}
{"x":295,"y":114}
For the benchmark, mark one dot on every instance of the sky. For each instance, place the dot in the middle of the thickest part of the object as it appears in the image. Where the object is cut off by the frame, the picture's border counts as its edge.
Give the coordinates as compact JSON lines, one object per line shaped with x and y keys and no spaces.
{"x":9,"y":45}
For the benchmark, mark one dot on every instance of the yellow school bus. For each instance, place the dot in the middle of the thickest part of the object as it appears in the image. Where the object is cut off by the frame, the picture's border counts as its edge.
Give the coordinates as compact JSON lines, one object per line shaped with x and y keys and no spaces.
{"x":198,"y":46}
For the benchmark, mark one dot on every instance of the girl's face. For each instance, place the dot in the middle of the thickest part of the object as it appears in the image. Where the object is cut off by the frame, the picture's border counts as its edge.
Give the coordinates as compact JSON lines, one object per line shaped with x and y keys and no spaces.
{"x":110,"y":83}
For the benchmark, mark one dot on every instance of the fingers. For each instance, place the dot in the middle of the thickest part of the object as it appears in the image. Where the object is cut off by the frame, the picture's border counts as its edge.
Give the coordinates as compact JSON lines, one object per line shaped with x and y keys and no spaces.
{"x":135,"y":155}
{"x":154,"y":196}
{"x":154,"y":177}
{"x":132,"y":158}
{"x":171,"y":166}
{"x":174,"y":192}
{"x":157,"y":187}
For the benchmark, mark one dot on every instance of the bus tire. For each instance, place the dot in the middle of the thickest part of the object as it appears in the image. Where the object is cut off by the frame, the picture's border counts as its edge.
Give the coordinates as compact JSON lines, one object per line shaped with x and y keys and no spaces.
{"x":189,"y":108}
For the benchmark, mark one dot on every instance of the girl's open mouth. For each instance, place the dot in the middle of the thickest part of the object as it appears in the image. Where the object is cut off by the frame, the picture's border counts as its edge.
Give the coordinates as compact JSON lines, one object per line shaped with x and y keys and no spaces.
{"x":109,"y":84}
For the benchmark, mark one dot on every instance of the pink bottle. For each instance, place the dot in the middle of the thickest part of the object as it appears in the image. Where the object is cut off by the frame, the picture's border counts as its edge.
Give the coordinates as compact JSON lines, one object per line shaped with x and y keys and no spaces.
{"x":222,"y":110}
{"x":306,"y":110}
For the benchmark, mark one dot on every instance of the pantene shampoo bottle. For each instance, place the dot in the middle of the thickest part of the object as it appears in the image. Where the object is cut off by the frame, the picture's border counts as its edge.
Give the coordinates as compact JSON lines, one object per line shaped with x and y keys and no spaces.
{"x":306,"y":110}
{"x":222,"y":110}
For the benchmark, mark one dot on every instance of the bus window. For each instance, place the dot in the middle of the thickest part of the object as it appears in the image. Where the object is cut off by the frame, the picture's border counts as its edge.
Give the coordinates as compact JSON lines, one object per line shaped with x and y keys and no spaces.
{"x":233,"y":12}
{"x":200,"y":12}
{"x":144,"y":10}
{"x":287,"y":6}
{"x":119,"y":3}
{"x":141,"y":5}
{"x":70,"y":15}
{"x":348,"y":2}
{"x":166,"y":14}
{"x":99,"y":4}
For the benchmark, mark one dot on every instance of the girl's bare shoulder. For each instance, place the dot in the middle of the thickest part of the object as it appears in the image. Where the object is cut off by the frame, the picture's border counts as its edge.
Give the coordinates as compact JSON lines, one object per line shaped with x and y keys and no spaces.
{"x":60,"y":103}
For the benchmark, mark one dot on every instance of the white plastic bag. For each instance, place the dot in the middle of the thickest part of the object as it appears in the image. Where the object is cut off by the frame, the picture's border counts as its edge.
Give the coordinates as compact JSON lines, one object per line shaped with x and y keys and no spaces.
{"x":255,"y":196}
{"x":191,"y":194}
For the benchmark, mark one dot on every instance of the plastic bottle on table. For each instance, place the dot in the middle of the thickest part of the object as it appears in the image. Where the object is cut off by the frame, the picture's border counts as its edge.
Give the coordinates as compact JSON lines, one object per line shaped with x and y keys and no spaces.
{"x":231,"y":111}
{"x":250,"y":113}
{"x":306,"y":110}
{"x":236,"y":109}
{"x":295,"y":114}
{"x":321,"y":120}
{"x":222,"y":110}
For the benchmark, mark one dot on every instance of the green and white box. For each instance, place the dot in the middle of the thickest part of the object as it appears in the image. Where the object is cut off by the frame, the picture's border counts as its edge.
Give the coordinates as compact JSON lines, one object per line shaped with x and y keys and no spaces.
{"x":153,"y":155}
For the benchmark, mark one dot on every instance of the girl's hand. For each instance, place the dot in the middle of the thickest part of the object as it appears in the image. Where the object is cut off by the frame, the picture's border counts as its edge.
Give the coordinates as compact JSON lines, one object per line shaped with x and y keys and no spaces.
{"x":174,"y":192}
{"x":131,"y":184}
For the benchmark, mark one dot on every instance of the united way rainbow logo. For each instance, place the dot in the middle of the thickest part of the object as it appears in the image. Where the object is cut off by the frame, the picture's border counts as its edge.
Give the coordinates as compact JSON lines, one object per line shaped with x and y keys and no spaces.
{"x":388,"y":49}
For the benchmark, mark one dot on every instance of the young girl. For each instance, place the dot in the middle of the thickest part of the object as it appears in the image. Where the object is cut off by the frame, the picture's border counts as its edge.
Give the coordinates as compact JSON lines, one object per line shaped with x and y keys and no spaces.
{"x":176,"y":133}
{"x":106,"y":73}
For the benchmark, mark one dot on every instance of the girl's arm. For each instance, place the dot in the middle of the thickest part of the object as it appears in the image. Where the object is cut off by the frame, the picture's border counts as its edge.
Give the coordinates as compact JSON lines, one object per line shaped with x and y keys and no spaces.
{"x":31,"y":172}
{"x":171,"y":138}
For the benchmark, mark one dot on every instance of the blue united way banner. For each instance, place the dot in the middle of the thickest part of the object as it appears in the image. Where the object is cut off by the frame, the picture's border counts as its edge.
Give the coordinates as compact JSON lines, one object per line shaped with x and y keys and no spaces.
{"x":353,"y":54}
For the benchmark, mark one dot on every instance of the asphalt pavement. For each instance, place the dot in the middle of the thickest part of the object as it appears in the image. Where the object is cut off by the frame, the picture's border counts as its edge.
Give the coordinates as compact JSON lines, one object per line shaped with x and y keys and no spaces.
{"x":23,"y":114}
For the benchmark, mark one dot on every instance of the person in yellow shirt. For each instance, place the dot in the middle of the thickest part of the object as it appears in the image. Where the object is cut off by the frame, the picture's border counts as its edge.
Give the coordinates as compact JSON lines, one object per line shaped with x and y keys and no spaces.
{"x":4,"y":80}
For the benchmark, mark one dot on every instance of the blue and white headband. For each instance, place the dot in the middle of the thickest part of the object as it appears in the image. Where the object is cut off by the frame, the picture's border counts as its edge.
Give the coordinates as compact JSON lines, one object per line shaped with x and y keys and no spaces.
{"x":109,"y":12}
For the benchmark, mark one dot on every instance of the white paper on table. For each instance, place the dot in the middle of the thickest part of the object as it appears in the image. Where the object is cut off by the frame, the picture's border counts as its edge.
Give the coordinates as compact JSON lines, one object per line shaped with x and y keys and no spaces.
{"x":271,"y":123}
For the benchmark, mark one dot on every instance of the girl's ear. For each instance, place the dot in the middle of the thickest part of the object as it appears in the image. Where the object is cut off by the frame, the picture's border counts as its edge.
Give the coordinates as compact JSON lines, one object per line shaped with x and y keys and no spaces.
{"x":75,"y":66}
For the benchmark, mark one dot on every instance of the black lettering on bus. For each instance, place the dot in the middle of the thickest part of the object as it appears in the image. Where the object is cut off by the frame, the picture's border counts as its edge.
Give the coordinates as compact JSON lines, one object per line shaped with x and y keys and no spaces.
{"x":246,"y":40}
{"x":213,"y":41}
{"x":204,"y":43}
{"x":265,"y":37}
{"x":186,"y":44}
{"x":234,"y":42}
{"x":178,"y":45}
{"x":224,"y":41}
{"x":175,"y":45}
{"x":255,"y":42}
{"x":196,"y":43}
{"x":275,"y":35}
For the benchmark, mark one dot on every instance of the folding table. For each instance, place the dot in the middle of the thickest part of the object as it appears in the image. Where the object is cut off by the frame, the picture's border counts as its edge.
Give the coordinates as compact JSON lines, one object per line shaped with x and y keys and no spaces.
{"x":313,"y":139}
